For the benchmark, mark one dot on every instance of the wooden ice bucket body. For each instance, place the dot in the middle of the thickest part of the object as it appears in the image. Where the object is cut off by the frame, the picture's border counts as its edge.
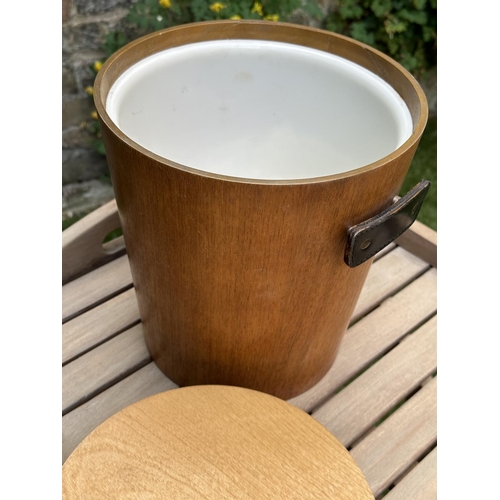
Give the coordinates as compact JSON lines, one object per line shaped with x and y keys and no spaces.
{"x":240,"y":279}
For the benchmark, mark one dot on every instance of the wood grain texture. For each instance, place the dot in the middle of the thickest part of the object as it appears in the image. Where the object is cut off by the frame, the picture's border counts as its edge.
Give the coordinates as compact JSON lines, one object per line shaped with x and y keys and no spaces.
{"x":362,"y":403}
{"x":95,"y":287}
{"x":420,"y":240}
{"x":109,"y":280}
{"x":77,"y":424}
{"x":243,"y":282}
{"x":420,"y":483}
{"x":374,"y":335}
{"x":82,"y":247}
{"x":212,"y":442}
{"x":387,"y":275}
{"x":91,"y":373}
{"x":399,"y":441}
{"x":99,"y":324}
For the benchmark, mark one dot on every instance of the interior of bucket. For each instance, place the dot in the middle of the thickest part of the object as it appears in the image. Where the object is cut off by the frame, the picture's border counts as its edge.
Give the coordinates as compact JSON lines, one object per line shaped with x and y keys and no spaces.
{"x":259,"y":110}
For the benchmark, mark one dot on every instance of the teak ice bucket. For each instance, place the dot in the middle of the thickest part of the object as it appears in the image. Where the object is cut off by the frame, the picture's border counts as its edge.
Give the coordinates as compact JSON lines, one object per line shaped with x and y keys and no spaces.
{"x":255,"y":167}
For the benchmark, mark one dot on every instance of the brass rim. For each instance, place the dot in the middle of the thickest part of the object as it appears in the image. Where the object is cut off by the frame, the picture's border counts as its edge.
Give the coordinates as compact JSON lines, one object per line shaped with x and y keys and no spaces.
{"x":249,"y":29}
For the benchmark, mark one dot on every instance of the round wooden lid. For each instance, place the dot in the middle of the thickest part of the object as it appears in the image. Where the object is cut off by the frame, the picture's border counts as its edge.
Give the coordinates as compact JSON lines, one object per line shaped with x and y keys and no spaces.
{"x":212,"y":442}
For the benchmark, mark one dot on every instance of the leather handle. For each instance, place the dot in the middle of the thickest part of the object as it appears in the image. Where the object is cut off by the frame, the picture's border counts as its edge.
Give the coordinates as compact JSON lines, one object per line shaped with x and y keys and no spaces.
{"x":366,"y":239}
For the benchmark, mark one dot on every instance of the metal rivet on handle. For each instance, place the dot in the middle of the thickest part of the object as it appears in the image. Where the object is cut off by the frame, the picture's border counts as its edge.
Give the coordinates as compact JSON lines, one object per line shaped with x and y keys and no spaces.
{"x":365,"y":244}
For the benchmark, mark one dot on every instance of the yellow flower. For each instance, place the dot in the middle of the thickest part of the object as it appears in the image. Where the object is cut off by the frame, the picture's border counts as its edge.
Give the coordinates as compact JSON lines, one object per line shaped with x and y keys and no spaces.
{"x":257,"y":7}
{"x":217,"y":7}
{"x":165,"y":3}
{"x":89,"y":90}
{"x":94,"y":115}
{"x":235,"y":17}
{"x":273,"y":17}
{"x":97,"y":65}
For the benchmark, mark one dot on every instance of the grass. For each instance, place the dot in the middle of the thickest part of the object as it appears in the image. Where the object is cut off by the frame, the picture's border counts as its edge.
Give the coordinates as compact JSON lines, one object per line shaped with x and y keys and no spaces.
{"x":424,"y":166}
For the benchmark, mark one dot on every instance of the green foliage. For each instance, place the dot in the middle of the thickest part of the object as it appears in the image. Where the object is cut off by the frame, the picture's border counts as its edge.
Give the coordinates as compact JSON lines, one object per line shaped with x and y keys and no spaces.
{"x":424,"y":166}
{"x":147,"y":16}
{"x":114,"y":41}
{"x":113,"y":234}
{"x":403,"y":29}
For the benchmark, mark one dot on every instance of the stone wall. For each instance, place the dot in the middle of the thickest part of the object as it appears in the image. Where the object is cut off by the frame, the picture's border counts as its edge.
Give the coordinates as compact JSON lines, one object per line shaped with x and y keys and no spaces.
{"x":85,"y":24}
{"x":85,"y":175}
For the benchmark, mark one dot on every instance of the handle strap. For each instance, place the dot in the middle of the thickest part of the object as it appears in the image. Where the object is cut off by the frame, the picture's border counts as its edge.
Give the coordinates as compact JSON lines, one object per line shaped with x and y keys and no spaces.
{"x":366,"y":239}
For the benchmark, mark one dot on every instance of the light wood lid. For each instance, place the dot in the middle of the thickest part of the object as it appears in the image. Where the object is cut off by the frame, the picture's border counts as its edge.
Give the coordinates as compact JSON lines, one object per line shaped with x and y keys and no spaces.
{"x":212,"y":442}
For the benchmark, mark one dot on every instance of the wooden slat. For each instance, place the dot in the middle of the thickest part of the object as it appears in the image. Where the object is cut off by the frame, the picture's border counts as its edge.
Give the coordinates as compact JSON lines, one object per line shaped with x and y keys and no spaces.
{"x":362,"y":403}
{"x":99,"y":324}
{"x":373,"y":335}
{"x":103,"y":366}
{"x":420,"y":240}
{"x":389,"y":248}
{"x":420,"y":483}
{"x":399,"y":441}
{"x":95,"y":287}
{"x":386,"y":277}
{"x":91,"y":289}
{"x":77,"y":424}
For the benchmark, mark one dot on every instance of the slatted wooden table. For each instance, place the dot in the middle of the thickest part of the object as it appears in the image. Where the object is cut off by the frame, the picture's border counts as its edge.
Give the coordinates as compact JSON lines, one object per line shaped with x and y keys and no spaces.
{"x":378,"y":399}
